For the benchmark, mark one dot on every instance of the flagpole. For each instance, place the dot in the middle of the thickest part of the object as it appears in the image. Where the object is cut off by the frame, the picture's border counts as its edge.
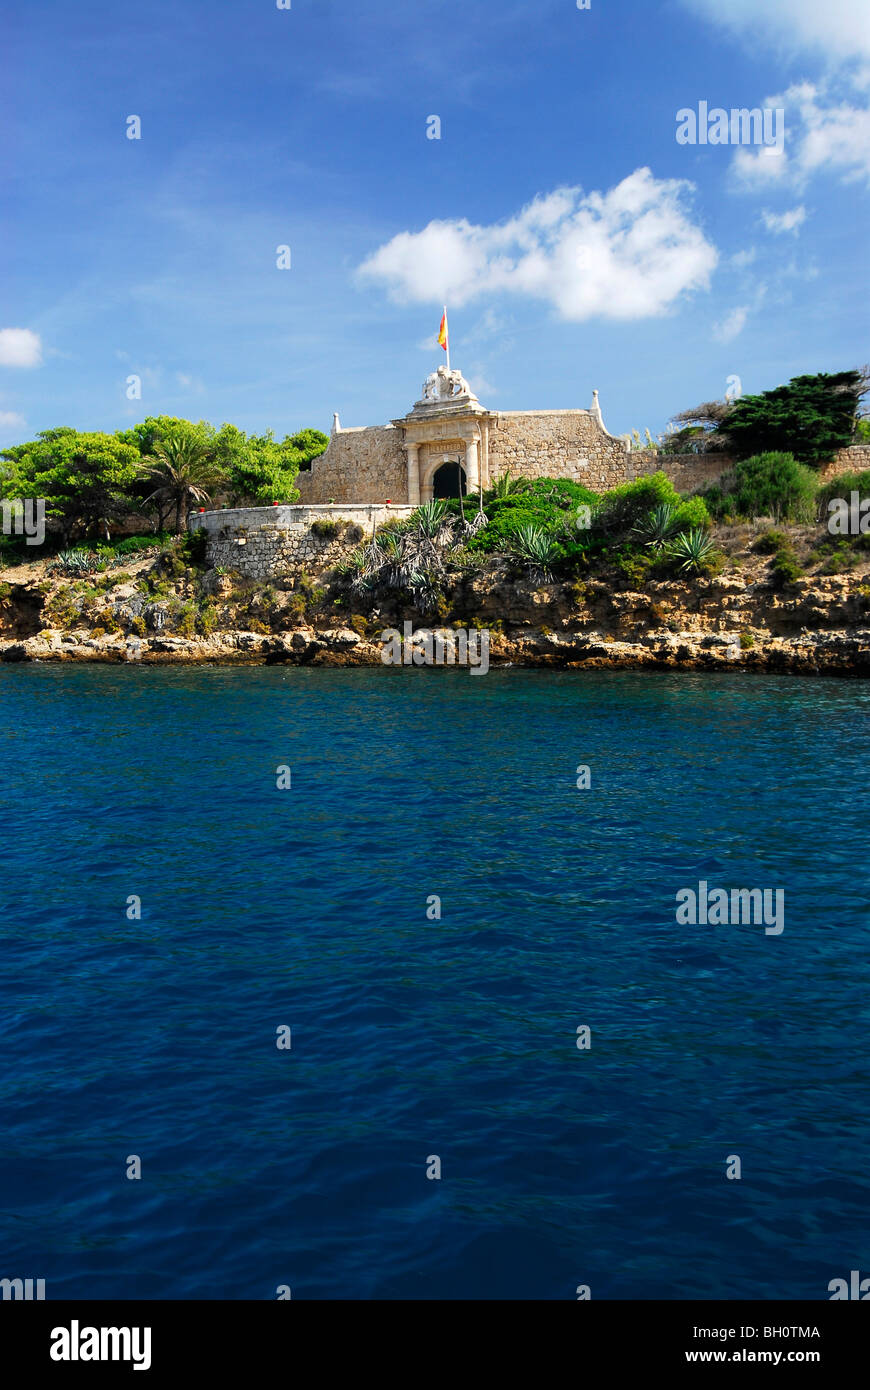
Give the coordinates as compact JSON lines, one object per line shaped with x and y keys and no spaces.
{"x":447,"y":335}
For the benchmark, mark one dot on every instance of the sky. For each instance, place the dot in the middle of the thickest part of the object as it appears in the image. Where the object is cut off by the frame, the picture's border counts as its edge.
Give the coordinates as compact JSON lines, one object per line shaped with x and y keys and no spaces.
{"x":577,"y":243}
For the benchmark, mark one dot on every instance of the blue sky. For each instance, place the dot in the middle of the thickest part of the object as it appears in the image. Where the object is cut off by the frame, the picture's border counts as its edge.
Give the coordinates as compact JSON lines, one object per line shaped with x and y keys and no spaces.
{"x":577,"y":243}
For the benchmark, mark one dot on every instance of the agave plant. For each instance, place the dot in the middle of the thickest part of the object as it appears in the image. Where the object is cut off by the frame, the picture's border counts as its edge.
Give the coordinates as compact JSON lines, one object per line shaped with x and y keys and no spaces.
{"x":428,"y":518}
{"x":693,"y":549}
{"x":424,"y":586}
{"x":477,"y":523}
{"x":658,"y":526}
{"x":74,"y":562}
{"x":537,"y":550}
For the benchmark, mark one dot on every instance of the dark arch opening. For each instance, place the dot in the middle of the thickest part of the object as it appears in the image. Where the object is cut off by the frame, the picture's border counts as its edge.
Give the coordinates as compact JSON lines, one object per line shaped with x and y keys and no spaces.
{"x":447,"y":481}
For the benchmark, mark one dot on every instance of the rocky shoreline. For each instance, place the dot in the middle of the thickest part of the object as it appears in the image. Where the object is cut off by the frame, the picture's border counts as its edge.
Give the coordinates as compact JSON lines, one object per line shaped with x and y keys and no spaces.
{"x":814,"y":625}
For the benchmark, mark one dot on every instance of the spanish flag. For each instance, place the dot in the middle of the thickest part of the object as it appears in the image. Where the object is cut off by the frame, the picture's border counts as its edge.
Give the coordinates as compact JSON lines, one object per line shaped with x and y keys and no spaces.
{"x":442,"y":331}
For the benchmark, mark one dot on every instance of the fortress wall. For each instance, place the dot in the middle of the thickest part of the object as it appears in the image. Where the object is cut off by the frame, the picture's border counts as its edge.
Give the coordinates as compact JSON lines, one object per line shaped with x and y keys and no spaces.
{"x":557,"y":443}
{"x":359,"y":465}
{"x":370,"y":465}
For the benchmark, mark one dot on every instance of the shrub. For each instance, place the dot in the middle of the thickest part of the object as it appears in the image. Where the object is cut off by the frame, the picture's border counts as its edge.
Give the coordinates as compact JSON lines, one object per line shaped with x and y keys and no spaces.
{"x":138,"y":626}
{"x":505,"y":486}
{"x":841,"y":486}
{"x":766,"y":485}
{"x":74,"y":562}
{"x":843,"y":557}
{"x":193,"y":546}
{"x":325,"y":528}
{"x":426,"y":520}
{"x":107,"y":620}
{"x":625,"y":507}
{"x":658,"y":526}
{"x":206,"y":619}
{"x":182,"y":618}
{"x":785,"y":568}
{"x":551,"y":504}
{"x":746,"y":641}
{"x":634,"y":566}
{"x":771,"y":541}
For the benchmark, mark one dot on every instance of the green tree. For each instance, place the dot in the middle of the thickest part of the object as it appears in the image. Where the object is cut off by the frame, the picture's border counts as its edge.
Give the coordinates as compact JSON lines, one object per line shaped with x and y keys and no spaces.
{"x":85,"y":478}
{"x":309,"y":444}
{"x":259,"y":469}
{"x":812,"y":417}
{"x":147,"y":436}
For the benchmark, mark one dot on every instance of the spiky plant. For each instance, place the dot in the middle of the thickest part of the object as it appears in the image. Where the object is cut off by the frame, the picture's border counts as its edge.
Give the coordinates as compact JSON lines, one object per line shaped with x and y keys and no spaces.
{"x":693,"y":550}
{"x":536,"y":550}
{"x":428,"y":518}
{"x":74,"y":562}
{"x":506,"y":486}
{"x":658,"y":526}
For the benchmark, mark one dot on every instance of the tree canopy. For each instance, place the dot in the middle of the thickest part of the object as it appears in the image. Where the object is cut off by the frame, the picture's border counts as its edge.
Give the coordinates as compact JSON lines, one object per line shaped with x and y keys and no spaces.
{"x":85,"y":478}
{"x":160,"y":468}
{"x":811,"y":418}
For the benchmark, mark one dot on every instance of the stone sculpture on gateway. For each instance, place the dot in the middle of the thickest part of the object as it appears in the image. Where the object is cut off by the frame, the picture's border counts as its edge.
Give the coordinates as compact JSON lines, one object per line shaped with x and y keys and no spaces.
{"x":446,"y":386}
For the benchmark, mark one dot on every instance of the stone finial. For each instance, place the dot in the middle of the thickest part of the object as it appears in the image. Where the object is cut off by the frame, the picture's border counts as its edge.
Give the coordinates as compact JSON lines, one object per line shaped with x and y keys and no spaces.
{"x":595,"y":407}
{"x":336,"y":423}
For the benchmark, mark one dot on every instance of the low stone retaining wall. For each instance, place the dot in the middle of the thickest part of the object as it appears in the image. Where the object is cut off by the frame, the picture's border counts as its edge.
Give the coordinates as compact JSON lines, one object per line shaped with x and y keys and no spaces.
{"x":265,"y":542}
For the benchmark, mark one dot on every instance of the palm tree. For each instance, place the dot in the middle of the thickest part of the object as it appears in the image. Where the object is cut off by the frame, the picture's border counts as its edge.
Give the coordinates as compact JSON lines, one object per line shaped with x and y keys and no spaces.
{"x":507,"y":486}
{"x":183,"y":466}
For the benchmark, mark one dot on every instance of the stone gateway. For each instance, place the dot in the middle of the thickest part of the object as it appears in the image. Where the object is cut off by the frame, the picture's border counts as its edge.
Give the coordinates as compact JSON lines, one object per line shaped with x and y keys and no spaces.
{"x":449,"y":440}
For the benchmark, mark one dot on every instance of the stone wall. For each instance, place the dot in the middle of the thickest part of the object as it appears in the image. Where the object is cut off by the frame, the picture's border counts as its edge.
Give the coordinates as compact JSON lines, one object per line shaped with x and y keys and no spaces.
{"x":360,"y":465}
{"x":556,"y":443}
{"x":687,"y":472}
{"x":855,"y":459}
{"x":695,"y":472}
{"x":268,"y":542}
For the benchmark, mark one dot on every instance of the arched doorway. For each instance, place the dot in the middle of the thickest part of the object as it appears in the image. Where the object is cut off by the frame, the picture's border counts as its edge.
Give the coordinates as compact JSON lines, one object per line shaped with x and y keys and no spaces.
{"x":448,"y":479}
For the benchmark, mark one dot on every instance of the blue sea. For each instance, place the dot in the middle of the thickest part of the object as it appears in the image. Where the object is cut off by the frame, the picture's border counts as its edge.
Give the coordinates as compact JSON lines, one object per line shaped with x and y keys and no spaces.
{"x":416,"y":1037}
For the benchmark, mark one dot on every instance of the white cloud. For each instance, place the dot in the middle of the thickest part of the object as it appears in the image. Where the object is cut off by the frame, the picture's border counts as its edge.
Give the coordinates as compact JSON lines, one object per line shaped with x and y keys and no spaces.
{"x":20,"y":347}
{"x":780,"y":222}
{"x":839,"y":29}
{"x":822,"y":135}
{"x":732,"y":324}
{"x":629,"y":253}
{"x":744,"y":258}
{"x":11,"y":420}
{"x":190,"y":383}
{"x":762,"y":166}
{"x":481,"y":385}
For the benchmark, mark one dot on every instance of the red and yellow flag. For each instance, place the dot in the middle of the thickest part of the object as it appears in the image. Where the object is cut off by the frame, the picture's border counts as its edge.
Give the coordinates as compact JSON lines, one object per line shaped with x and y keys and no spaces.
{"x":442,"y":331}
